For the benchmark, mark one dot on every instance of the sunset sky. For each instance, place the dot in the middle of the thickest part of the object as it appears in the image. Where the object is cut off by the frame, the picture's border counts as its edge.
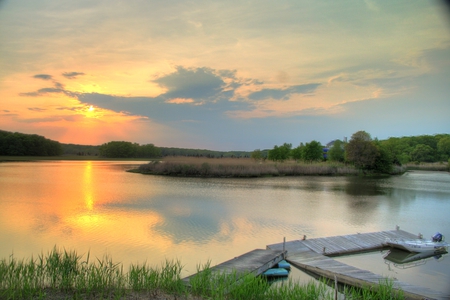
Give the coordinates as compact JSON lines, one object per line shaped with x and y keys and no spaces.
{"x":223,"y":75}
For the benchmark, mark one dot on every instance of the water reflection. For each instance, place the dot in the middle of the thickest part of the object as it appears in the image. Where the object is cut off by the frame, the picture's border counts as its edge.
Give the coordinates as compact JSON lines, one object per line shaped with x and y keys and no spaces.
{"x":362,"y":186}
{"x":97,"y":207}
{"x":88,"y":186}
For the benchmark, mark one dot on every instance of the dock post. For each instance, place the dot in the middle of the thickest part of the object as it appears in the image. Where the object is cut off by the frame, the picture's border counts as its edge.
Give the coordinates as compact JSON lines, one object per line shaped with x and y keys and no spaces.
{"x":335,"y":288}
{"x":284,"y":247}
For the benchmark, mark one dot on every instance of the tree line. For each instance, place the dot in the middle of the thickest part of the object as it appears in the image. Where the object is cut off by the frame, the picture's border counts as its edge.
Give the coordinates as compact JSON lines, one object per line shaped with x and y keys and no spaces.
{"x":20,"y":144}
{"x":122,"y":149}
{"x":367,"y":153}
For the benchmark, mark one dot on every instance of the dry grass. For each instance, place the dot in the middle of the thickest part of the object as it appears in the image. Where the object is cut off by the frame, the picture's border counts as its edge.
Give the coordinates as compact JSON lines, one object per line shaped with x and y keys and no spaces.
{"x":437,"y":166}
{"x":240,"y":167}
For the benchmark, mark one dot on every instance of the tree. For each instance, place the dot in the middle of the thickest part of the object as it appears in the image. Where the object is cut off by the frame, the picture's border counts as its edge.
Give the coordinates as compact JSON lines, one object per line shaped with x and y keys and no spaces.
{"x":423,"y":153}
{"x":336,"y":152}
{"x":118,"y":149}
{"x":256,"y":155}
{"x":148,"y":150}
{"x":443,"y":148}
{"x":383,"y":161}
{"x":280,"y":153}
{"x":27,"y":144}
{"x":313,"y":151}
{"x":360,"y":150}
{"x":297,"y":153}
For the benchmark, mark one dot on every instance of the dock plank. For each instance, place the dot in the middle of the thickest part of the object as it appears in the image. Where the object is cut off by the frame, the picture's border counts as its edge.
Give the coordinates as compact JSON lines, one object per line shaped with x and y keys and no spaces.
{"x":308,"y":255}
{"x":256,"y":262}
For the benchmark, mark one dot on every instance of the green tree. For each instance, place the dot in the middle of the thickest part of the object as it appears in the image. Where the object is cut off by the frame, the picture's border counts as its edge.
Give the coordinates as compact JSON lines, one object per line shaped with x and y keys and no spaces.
{"x":443,"y":148}
{"x":313,"y":151}
{"x":423,"y":153}
{"x":256,"y":155}
{"x":336,"y":152}
{"x":148,"y":151}
{"x":280,"y":153}
{"x":297,"y":152}
{"x":27,"y":144}
{"x":360,"y":150}
{"x":383,"y":161}
{"x":118,"y":149}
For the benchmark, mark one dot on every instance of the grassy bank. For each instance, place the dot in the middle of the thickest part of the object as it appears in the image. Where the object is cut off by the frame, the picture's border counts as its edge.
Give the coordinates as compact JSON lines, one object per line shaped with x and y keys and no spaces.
{"x":67,"y":275}
{"x":195,"y":167}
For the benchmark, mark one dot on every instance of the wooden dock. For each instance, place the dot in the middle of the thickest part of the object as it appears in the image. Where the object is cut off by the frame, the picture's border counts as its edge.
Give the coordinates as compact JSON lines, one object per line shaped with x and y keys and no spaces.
{"x":257,"y":262}
{"x":312,"y":256}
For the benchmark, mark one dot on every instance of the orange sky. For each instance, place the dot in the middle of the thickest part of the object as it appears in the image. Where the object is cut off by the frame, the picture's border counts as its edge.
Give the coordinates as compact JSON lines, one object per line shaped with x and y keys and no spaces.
{"x":222,"y":75}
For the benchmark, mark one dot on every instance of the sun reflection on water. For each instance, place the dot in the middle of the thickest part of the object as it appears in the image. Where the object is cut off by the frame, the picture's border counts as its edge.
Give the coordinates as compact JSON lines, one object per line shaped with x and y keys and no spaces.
{"x":88,"y":186}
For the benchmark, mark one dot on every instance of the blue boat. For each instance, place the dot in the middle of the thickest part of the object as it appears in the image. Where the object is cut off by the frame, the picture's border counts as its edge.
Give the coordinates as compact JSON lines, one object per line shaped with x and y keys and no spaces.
{"x":276,"y":272}
{"x":284,"y":264}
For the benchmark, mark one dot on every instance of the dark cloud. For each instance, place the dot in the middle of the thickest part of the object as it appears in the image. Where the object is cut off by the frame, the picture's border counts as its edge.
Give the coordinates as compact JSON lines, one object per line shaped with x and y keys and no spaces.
{"x":30,"y":94}
{"x":283,"y":94}
{"x":38,"y":109}
{"x":59,"y":88}
{"x":43,"y":76}
{"x":200,"y":83}
{"x":72,"y":75}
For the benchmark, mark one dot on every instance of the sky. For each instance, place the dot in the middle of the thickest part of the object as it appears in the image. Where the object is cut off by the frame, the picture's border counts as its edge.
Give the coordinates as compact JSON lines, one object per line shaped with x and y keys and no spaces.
{"x":223,"y":75}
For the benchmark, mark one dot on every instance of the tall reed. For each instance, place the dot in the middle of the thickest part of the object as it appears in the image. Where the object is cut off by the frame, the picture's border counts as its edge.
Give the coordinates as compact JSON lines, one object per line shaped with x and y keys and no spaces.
{"x":243,"y":169}
{"x":62,"y":274}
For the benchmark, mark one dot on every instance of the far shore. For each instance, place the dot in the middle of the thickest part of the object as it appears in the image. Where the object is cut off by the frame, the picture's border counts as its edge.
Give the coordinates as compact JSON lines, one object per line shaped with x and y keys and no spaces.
{"x":232,"y":167}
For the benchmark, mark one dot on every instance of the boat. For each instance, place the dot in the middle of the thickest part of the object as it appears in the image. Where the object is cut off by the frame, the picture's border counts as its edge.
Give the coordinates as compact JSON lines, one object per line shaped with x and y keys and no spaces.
{"x":403,"y":260}
{"x":276,"y":272}
{"x":436,"y":244}
{"x":284,"y":264}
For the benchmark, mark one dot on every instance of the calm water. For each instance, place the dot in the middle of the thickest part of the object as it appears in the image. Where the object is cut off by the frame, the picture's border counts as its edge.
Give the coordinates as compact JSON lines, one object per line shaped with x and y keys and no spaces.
{"x":98,"y":207}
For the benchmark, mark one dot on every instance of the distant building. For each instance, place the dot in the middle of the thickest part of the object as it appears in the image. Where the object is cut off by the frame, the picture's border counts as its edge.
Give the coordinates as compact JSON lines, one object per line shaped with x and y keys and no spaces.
{"x":329,"y":145}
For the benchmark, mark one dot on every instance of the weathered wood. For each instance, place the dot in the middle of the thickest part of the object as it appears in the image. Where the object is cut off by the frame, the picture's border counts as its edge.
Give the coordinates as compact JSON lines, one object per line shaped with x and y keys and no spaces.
{"x":256,"y":262}
{"x":308,"y":255}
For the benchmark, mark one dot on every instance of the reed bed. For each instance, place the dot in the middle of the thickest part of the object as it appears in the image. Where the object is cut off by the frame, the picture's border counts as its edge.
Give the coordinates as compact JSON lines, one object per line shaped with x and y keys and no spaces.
{"x":440,"y":166}
{"x":62,"y":274}
{"x":243,"y":168}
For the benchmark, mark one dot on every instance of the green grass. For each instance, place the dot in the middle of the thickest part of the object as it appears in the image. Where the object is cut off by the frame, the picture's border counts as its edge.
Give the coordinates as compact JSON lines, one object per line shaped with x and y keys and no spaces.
{"x":62,"y":274}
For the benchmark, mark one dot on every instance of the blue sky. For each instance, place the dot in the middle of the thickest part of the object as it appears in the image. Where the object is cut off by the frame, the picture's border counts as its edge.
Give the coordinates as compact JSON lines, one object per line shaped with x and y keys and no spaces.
{"x":223,"y":75}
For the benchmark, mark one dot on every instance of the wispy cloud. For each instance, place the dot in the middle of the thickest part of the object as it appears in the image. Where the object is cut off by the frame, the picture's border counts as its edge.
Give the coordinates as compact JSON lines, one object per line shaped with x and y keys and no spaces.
{"x":72,"y":75}
{"x":43,"y":76}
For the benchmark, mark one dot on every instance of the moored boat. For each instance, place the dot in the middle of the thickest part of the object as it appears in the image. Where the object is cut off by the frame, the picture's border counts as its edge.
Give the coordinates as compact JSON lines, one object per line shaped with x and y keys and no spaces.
{"x":284,"y":264}
{"x":276,"y":272}
{"x":436,"y":244}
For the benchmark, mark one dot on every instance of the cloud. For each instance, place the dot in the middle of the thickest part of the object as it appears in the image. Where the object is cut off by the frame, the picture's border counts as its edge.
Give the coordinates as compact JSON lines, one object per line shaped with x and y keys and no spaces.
{"x":72,"y":75}
{"x":283,"y":94}
{"x":180,"y":101}
{"x":43,"y":91}
{"x":58,"y":88}
{"x":199,"y":83}
{"x":37,"y":109}
{"x":43,"y":76}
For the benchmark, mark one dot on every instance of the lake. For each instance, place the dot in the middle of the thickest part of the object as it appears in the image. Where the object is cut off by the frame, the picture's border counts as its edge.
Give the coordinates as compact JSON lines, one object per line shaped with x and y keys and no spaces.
{"x":98,"y":207}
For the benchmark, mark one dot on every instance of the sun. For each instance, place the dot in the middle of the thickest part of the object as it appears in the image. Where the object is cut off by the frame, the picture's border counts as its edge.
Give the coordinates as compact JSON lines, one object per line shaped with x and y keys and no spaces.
{"x":91,"y":108}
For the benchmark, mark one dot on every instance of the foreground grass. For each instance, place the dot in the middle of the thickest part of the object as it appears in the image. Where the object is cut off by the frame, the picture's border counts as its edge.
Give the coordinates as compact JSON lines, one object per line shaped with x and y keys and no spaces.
{"x":66,"y":275}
